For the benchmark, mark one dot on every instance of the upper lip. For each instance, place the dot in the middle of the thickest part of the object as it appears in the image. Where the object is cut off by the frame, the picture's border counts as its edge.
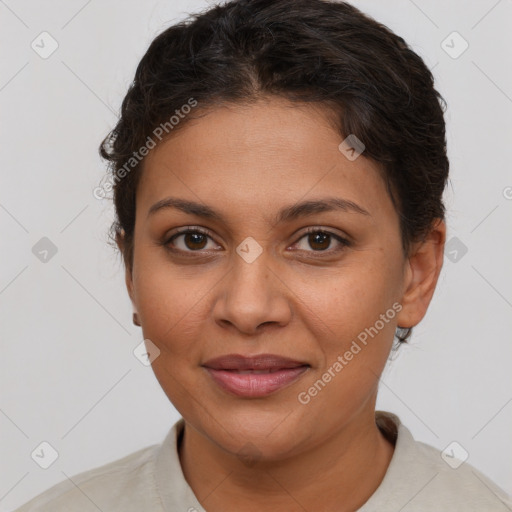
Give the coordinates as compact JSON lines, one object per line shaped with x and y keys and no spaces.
{"x":258,"y":362}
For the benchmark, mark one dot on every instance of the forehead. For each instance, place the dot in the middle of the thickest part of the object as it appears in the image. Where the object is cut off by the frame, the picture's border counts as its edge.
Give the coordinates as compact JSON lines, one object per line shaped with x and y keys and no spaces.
{"x":256,"y":157}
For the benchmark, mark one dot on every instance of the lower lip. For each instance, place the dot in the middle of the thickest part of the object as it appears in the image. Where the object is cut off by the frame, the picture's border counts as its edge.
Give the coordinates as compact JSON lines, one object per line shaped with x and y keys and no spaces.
{"x":255,"y":384}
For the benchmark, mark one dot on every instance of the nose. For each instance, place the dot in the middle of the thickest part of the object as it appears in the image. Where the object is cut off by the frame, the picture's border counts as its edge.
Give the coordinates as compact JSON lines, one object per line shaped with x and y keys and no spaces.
{"x":252,"y":298}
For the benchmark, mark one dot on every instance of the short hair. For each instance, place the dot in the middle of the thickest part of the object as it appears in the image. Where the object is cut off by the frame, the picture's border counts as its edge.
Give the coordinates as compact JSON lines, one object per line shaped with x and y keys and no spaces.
{"x":306,"y":51}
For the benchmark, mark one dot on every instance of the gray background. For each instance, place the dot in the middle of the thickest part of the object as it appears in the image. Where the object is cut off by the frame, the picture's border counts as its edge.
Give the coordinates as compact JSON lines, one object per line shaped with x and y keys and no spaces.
{"x":68,"y":375}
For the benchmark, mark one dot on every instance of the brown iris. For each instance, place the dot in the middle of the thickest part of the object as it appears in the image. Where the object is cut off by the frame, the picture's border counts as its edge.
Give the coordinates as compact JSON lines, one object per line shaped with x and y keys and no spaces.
{"x":319,"y":238}
{"x":198,"y":240}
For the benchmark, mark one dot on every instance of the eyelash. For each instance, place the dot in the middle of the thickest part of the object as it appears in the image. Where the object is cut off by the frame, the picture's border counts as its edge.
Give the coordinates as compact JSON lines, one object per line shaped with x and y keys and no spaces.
{"x":192,"y":230}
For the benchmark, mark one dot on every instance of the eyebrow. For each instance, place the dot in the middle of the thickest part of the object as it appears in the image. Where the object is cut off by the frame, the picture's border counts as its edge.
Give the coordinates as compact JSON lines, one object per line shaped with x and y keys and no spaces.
{"x":286,"y":214}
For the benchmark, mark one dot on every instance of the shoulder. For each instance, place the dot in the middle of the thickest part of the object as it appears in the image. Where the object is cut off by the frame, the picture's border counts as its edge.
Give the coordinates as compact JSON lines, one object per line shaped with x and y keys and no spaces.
{"x":124,"y":484}
{"x":421,"y":478}
{"x":458,"y":485}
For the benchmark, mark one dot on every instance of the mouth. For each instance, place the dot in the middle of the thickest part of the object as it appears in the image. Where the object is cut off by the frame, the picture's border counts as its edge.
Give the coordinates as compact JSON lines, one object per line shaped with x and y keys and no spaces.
{"x":255,"y":376}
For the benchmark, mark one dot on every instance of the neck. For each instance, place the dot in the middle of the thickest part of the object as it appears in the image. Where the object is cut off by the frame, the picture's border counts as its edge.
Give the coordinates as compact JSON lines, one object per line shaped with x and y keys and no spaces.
{"x":339,"y":474}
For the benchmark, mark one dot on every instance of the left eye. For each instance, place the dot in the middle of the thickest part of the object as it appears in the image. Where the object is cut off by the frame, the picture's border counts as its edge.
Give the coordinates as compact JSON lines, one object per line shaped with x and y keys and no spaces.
{"x":320,"y":240}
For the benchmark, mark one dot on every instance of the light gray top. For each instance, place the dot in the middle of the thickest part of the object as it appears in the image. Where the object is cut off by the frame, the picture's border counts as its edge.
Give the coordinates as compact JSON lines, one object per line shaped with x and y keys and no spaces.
{"x":151,"y":480}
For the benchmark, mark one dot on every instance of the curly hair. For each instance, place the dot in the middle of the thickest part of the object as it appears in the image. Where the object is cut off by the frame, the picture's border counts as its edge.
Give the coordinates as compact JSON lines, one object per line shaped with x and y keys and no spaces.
{"x":320,"y":51}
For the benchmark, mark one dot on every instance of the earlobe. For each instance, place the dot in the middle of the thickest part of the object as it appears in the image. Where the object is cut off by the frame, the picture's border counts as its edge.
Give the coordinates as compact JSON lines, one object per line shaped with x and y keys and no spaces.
{"x":421,"y":275}
{"x":128,"y":271}
{"x":129,"y":287}
{"x":129,"y":281}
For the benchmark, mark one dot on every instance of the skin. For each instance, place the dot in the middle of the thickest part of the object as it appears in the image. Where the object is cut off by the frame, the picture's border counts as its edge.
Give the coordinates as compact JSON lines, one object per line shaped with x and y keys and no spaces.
{"x":247,"y":162}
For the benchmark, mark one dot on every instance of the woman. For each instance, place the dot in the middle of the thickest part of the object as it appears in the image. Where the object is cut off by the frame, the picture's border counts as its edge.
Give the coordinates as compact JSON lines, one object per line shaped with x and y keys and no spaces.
{"x":278,"y":171}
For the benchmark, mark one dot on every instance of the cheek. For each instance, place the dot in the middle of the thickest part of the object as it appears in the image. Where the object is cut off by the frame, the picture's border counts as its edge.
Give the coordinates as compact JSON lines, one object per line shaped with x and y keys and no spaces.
{"x":170,"y":302}
{"x":353,"y":322}
{"x":341,"y":304}
{"x":172,"y":311}
{"x":173,"y":314}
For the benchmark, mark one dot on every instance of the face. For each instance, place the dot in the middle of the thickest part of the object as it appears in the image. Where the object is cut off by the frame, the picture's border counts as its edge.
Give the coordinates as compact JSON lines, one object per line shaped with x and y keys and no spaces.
{"x":260,"y":272}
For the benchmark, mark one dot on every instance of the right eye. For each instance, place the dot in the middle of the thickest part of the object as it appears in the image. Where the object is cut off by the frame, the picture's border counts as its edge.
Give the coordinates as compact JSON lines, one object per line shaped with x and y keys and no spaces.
{"x":189,"y":240}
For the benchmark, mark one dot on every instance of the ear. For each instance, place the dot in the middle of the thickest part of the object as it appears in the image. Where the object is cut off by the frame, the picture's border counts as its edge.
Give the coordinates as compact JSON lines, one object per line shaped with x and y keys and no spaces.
{"x":120,"y":241}
{"x":423,"y":267}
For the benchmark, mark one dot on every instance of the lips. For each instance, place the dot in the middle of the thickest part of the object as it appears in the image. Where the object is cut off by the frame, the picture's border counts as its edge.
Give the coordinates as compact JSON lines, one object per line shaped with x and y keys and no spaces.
{"x":254,"y":376}
{"x":263,"y":362}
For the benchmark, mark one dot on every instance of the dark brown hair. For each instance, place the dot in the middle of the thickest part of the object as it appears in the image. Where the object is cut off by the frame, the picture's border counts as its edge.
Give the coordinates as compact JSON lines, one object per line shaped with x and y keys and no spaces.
{"x":319,"y":51}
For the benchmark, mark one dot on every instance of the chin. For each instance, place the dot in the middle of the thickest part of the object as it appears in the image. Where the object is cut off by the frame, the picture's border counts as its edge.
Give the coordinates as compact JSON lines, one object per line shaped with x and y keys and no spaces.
{"x":254,"y":431}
